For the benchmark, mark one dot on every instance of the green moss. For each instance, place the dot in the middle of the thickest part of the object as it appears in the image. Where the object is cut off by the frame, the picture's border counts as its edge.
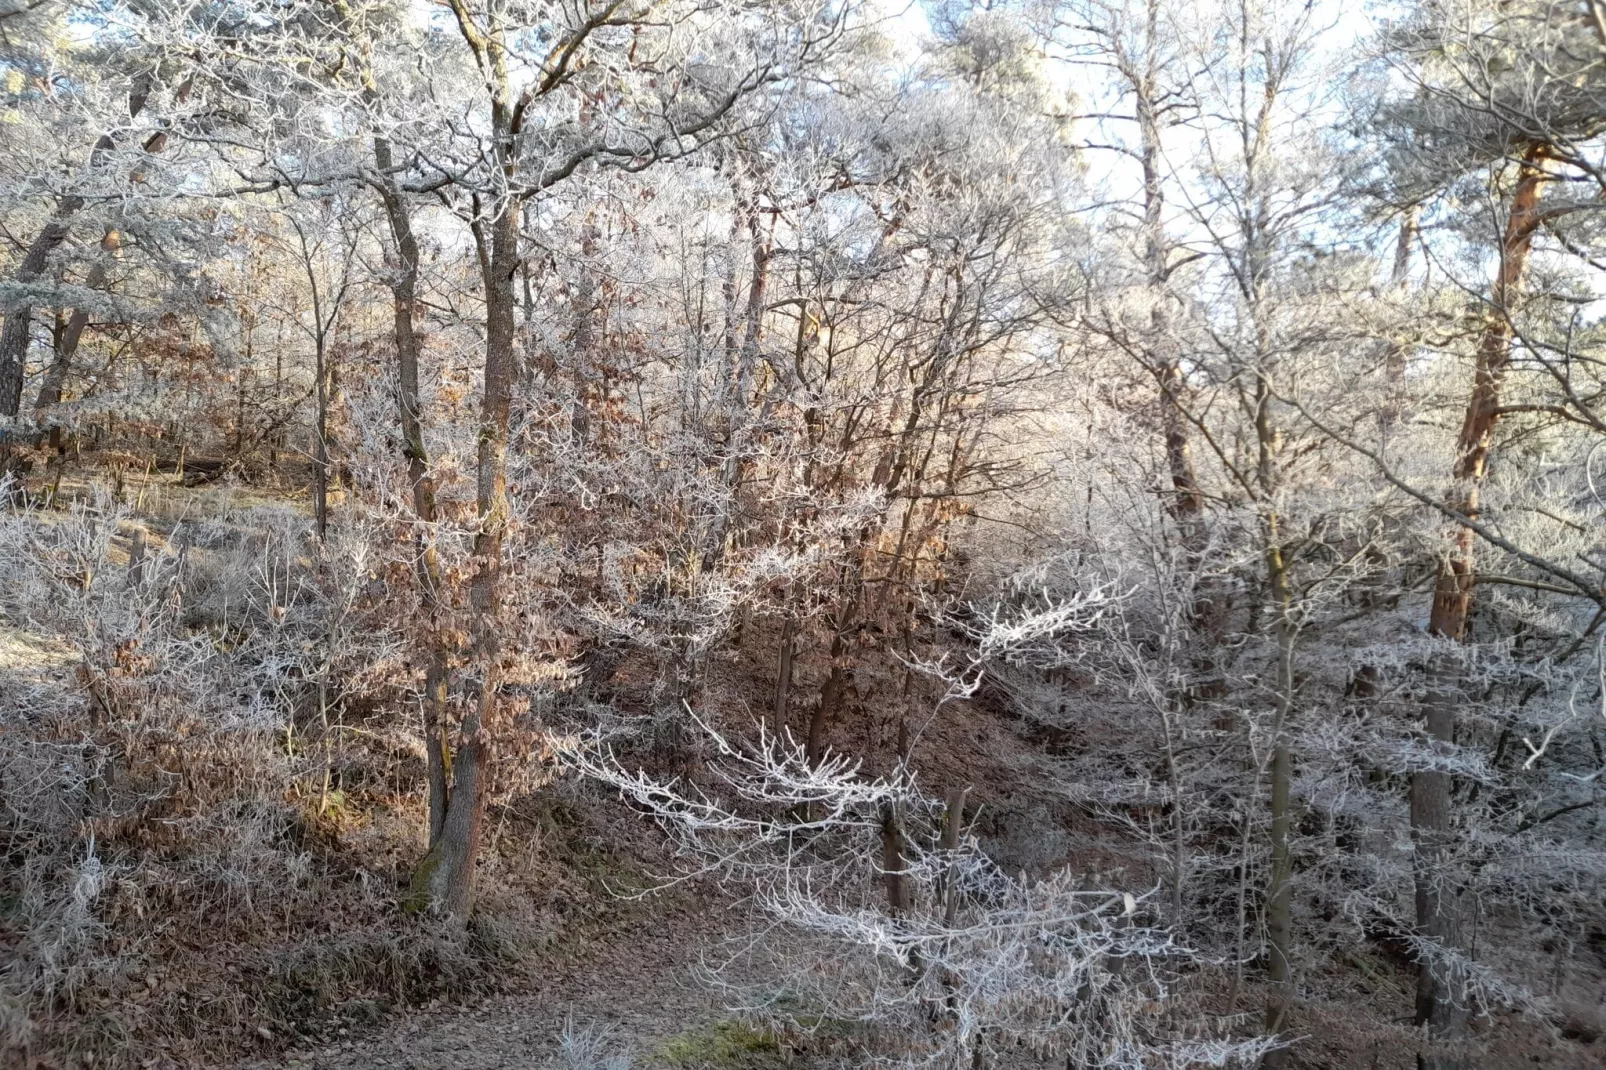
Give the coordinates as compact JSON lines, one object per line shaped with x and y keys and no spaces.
{"x":727,"y":1044}
{"x":421,"y":890}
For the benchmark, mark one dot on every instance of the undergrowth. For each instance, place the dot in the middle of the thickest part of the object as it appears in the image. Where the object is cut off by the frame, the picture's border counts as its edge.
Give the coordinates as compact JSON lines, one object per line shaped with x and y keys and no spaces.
{"x":210,"y":792}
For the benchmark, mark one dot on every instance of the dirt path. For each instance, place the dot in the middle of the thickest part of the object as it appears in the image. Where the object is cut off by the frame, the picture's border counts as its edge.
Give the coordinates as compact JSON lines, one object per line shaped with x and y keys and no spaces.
{"x":636,"y":987}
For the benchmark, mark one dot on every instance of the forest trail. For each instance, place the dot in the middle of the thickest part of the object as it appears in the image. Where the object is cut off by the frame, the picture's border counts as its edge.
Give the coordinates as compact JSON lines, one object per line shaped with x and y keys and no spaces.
{"x":632,"y":991}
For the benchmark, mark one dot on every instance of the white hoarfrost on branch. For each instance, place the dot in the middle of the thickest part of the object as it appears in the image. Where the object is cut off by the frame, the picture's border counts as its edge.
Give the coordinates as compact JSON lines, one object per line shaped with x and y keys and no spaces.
{"x":955,"y":958}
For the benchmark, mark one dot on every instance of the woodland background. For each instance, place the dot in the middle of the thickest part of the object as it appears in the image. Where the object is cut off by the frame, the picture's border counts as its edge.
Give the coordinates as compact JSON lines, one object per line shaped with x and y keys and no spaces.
{"x":1032,"y":533}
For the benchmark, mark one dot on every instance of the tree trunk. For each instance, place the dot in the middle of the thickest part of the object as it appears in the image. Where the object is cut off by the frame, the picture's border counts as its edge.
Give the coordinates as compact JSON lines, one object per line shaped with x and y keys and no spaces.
{"x":831,"y":696}
{"x":14,"y":336}
{"x":953,"y":825}
{"x":1441,"y":1002}
{"x":409,"y":405}
{"x":735,"y":411}
{"x":894,"y":863}
{"x":67,"y":346}
{"x":444,"y":880}
{"x":320,"y":432}
{"x":491,"y":483}
{"x":451,"y":885}
{"x":783,"y":669}
{"x":447,"y":874}
{"x":1394,"y":358}
{"x":834,"y":692}
{"x":1279,"y":891}
{"x":1186,"y":503}
{"x":1279,"y":895}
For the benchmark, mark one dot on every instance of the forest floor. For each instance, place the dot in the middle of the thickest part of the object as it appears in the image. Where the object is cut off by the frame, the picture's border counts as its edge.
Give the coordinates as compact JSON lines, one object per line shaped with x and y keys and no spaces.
{"x":629,"y":994}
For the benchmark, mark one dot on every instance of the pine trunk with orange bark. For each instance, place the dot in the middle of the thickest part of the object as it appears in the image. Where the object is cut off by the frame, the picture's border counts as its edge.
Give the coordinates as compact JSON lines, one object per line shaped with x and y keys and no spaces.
{"x":1441,"y":1002}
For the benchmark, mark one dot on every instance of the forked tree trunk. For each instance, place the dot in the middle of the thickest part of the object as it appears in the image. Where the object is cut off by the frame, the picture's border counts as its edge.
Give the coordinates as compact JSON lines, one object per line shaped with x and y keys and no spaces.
{"x":1441,"y":1000}
{"x":444,"y":880}
{"x":450,"y":864}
